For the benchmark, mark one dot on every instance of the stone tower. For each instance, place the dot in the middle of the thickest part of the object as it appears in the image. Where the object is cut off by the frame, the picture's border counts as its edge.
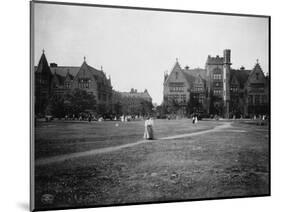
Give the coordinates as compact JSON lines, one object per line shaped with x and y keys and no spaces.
{"x":226,"y":77}
{"x":43,"y":77}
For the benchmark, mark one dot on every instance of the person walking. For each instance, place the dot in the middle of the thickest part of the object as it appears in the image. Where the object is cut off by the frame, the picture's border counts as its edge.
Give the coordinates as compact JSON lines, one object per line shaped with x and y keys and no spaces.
{"x":196,"y":119}
{"x":89,"y":117}
{"x":148,"y":129}
{"x":193,"y":119}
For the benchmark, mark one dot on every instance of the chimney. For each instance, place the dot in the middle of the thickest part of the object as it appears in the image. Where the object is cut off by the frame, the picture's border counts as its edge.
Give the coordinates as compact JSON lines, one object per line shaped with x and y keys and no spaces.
{"x":226,"y":56}
{"x":53,"y":65}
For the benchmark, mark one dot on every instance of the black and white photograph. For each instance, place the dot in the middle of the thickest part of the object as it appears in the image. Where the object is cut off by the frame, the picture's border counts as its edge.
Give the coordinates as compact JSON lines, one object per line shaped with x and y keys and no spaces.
{"x":133,"y":105}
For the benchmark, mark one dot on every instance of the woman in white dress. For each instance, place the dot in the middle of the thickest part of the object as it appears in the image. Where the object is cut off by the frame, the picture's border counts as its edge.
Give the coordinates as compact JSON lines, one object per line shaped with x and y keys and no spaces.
{"x":148,"y":129}
{"x":196,"y":119}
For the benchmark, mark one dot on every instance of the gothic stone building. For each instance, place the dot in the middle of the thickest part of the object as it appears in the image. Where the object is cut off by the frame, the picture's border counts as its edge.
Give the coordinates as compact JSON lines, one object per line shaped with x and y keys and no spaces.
{"x":132,"y":103}
{"x":217,"y":89}
{"x":53,"y":79}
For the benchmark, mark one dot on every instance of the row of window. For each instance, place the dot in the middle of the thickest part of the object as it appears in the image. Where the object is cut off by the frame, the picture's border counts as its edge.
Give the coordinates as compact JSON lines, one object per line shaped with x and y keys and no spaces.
{"x":181,"y":89}
{"x":176,"y":84}
{"x":198,"y":89}
{"x":177,"y":97}
{"x":42,"y":81}
{"x":257,"y":90}
{"x":217,"y":77}
{"x":200,"y":98}
{"x":183,"y":97}
{"x":234,"y":89}
{"x":252,"y":99}
{"x":176,"y":89}
{"x":83,"y":85}
{"x":256,"y":99}
{"x":217,"y":92}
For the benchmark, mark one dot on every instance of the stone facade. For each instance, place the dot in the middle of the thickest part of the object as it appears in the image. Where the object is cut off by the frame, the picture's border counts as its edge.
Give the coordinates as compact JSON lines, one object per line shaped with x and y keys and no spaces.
{"x":217,"y":89}
{"x":53,"y":79}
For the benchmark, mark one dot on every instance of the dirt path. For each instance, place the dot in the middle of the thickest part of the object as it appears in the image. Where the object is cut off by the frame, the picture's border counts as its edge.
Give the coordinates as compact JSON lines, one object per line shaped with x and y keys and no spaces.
{"x":60,"y":158}
{"x":217,"y":128}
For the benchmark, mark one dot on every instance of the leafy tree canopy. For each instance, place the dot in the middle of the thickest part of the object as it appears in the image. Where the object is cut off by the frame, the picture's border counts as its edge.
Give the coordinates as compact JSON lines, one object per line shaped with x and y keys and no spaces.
{"x":73,"y":102}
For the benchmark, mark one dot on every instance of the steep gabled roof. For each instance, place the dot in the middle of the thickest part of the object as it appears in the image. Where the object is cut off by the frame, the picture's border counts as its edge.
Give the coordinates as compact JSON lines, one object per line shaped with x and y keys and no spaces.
{"x":63,"y":70}
{"x":257,"y":68}
{"x":234,"y":80}
{"x":93,"y":73}
{"x":99,"y":75}
{"x":196,"y":72}
{"x":43,"y":66}
{"x":60,"y":79}
{"x":189,"y":74}
{"x":241,"y":76}
{"x":202,"y":79}
{"x":190,"y":78}
{"x":69,"y":77}
{"x":96,"y":72}
{"x":176,"y":67}
{"x":252,"y":78}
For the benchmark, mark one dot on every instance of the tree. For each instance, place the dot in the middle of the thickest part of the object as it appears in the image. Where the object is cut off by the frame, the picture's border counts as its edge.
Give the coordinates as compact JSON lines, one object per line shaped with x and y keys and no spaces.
{"x":146,"y":107}
{"x":55,"y":106}
{"x":117,"y":108}
{"x":79,"y":100}
{"x":174,"y":106}
{"x":101,"y":109}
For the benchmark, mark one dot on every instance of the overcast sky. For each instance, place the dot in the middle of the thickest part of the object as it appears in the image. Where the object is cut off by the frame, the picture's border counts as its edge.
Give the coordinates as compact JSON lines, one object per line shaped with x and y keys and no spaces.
{"x":136,"y":47}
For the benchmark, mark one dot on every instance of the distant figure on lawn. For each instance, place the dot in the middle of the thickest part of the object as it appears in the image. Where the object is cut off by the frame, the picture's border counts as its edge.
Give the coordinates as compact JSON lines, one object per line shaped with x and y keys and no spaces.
{"x":89,"y":118}
{"x":148,"y":129}
{"x":194,"y":119}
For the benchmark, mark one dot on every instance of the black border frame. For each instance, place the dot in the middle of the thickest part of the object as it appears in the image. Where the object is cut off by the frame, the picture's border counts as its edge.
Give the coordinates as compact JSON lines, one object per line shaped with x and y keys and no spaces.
{"x":31,"y":90}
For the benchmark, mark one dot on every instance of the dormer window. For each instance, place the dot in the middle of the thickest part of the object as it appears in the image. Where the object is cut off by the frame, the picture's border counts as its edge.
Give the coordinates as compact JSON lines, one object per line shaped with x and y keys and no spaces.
{"x":177,"y":75}
{"x":67,"y":85}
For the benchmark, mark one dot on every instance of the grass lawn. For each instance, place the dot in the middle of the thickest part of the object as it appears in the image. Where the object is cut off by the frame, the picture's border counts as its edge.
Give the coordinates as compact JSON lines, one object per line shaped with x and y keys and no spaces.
{"x":56,"y":138}
{"x":232,"y":162}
